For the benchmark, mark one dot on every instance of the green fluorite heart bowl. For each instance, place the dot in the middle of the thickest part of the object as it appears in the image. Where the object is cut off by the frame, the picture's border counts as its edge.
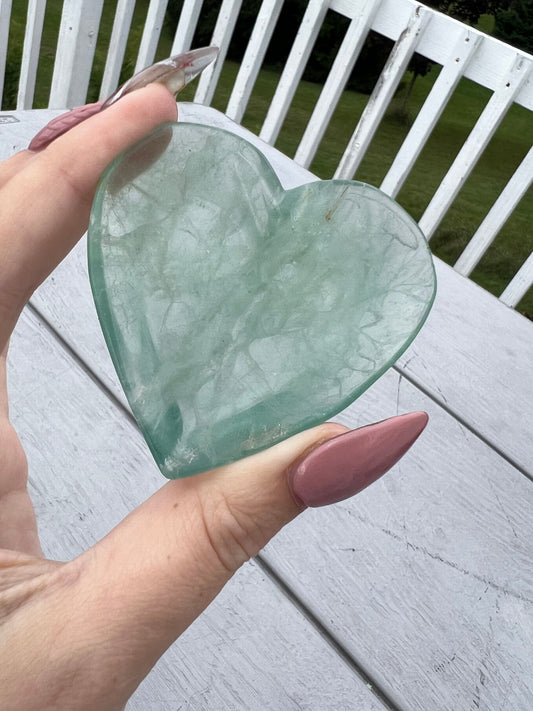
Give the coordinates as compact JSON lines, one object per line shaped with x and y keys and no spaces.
{"x":237,"y":313}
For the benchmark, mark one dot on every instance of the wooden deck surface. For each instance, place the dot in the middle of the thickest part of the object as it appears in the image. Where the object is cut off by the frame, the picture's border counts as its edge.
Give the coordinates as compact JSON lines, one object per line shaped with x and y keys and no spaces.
{"x":417,"y":594}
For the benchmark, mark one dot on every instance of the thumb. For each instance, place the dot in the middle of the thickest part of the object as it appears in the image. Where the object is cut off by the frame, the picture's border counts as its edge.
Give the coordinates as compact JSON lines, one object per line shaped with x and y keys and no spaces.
{"x":156,"y":572}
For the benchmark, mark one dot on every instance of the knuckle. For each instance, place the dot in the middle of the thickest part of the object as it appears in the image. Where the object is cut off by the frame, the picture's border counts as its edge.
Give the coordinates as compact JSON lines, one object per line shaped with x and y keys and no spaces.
{"x":234,"y":536}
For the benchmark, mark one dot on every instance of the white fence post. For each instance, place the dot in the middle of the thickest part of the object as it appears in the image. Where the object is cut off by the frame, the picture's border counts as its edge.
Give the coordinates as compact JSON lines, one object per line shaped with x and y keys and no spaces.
{"x":475,"y":144}
{"x":117,"y":47}
{"x":497,"y":216}
{"x":5,"y":16}
{"x":151,"y":33}
{"x":30,"y":53}
{"x":429,"y":114}
{"x":294,"y":68}
{"x":78,"y":32}
{"x":384,"y":91}
{"x":519,"y":285}
{"x":225,"y":24}
{"x":335,"y":83}
{"x":190,"y":12}
{"x":253,"y":58}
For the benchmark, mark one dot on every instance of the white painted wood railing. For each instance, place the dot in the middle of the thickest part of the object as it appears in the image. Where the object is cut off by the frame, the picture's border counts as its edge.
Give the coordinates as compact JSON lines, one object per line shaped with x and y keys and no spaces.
{"x":461,"y":51}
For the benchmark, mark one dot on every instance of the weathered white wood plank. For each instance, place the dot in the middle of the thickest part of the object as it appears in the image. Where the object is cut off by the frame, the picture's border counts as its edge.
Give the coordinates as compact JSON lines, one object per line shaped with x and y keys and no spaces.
{"x":5,"y":16}
{"x":426,"y":576}
{"x":78,"y":292}
{"x":475,"y":144}
{"x":383,"y":92}
{"x":78,"y":32}
{"x":151,"y":33}
{"x":117,"y":47}
{"x":30,"y":53}
{"x":190,"y":12}
{"x":225,"y":24}
{"x":23,"y":125}
{"x":450,"y":526}
{"x":292,"y":73}
{"x":436,"y":540}
{"x":520,"y":283}
{"x":88,"y":468}
{"x":489,"y":64}
{"x":335,"y":83}
{"x":426,"y":119}
{"x":416,"y":564}
{"x":249,"y":651}
{"x":497,"y":216}
{"x":253,"y":58}
{"x":473,"y":356}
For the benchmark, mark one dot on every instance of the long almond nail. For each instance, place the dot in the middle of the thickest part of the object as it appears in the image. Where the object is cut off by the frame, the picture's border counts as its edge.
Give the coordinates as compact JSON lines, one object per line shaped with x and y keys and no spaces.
{"x":174,"y":73}
{"x":61,"y":124}
{"x":344,"y":465}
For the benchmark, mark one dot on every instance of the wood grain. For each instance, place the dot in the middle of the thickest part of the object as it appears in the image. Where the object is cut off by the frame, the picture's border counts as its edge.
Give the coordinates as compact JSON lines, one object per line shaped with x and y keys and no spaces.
{"x":89,"y":467}
{"x":425,"y":578}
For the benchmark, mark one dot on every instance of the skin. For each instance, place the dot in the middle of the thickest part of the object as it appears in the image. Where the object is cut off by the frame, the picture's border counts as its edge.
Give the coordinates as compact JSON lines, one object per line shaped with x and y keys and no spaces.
{"x":83,"y":634}
{"x":174,"y":73}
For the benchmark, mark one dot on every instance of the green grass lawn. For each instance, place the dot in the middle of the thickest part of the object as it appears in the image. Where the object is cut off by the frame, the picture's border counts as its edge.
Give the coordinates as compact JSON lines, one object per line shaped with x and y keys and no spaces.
{"x":497,"y":164}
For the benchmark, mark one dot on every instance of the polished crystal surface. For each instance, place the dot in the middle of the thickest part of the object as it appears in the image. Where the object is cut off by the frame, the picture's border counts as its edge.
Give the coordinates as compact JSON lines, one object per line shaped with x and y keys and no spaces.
{"x":237,"y":313}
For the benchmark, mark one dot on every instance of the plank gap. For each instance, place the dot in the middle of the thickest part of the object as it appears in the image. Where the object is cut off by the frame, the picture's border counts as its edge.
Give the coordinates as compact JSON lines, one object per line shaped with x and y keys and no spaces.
{"x":328,"y":637}
{"x":85,"y":367}
{"x":334,"y":643}
{"x":415,"y":382}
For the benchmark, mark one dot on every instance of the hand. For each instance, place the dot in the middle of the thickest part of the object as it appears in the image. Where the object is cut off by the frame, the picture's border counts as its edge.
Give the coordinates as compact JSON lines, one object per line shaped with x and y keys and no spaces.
{"x":109,"y":614}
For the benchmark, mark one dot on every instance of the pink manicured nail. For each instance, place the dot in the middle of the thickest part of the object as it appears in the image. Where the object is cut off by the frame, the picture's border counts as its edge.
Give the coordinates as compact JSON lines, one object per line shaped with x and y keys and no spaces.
{"x":174,"y":73}
{"x":344,"y":465}
{"x":61,"y":124}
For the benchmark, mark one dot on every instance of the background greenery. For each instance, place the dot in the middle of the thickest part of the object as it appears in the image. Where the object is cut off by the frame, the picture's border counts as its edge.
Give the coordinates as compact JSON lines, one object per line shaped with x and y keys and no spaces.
{"x":497,"y":164}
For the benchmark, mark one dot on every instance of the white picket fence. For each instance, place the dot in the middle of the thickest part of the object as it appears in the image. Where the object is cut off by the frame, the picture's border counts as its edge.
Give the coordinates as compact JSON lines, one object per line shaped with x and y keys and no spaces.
{"x":461,"y":51}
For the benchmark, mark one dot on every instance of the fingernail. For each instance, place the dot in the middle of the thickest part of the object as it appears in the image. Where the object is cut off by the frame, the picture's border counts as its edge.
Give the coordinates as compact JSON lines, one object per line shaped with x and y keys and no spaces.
{"x":345,"y":465}
{"x":61,"y":124}
{"x":174,"y":73}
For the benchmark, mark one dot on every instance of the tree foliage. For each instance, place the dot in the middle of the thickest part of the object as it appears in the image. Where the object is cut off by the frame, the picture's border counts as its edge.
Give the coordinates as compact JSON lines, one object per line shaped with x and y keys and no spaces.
{"x":468,"y":10}
{"x":514,"y":24}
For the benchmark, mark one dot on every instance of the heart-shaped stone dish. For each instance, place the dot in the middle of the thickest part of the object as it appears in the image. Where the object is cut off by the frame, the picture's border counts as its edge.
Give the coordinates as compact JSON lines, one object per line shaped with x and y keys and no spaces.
{"x":237,"y":313}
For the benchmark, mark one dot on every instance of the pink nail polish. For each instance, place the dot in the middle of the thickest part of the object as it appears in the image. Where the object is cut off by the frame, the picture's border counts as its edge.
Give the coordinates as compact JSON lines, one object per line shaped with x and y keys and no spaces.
{"x":344,"y":465}
{"x":174,"y":73}
{"x":61,"y":124}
